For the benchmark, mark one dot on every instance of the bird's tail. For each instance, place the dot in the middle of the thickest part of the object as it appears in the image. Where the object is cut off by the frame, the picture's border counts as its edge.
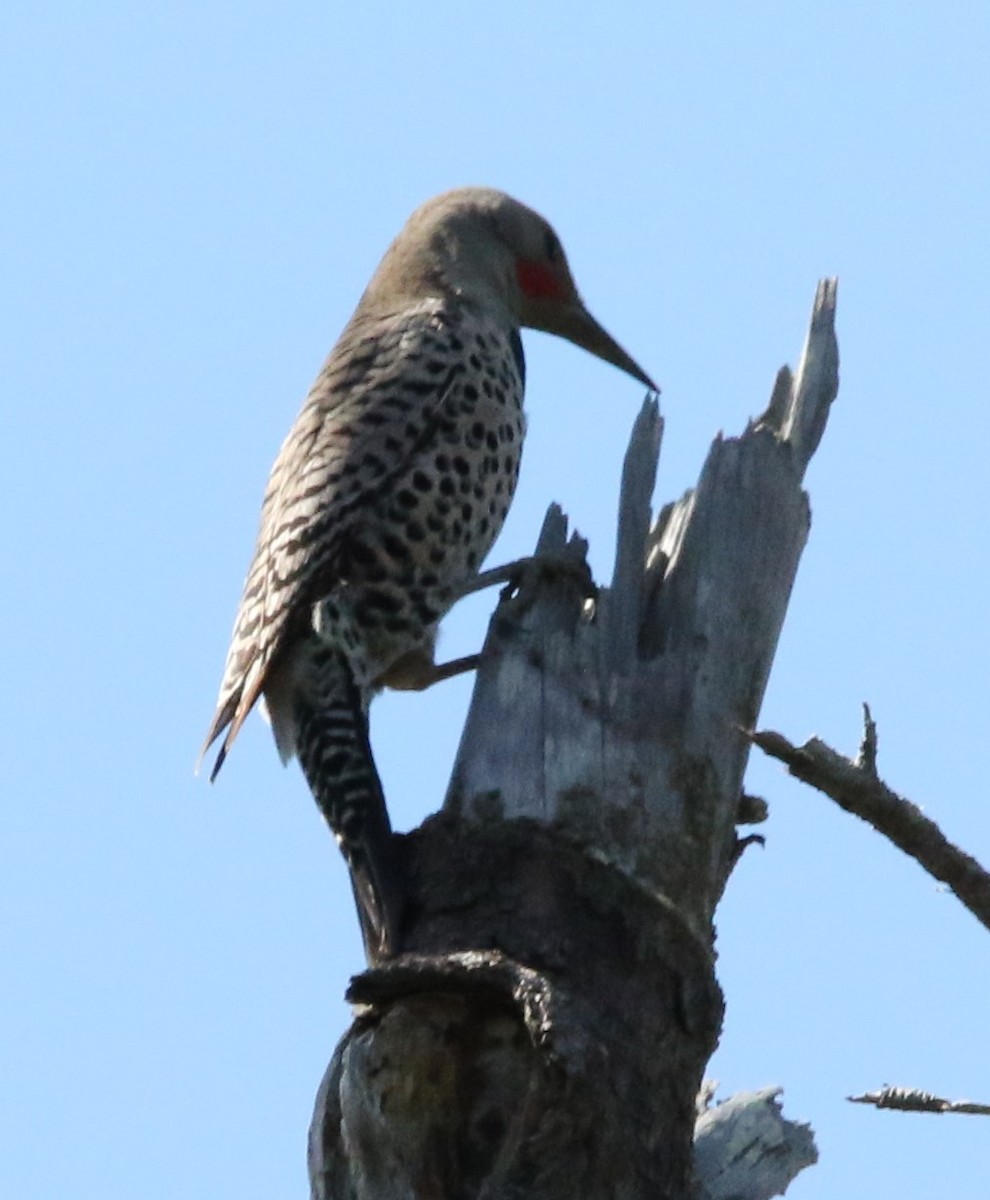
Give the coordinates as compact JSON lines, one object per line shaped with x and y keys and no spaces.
{"x":335,"y":754}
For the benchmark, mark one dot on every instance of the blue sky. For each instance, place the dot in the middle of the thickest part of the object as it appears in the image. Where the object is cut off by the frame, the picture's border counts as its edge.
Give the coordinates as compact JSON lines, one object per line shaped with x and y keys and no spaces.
{"x":194,"y":197}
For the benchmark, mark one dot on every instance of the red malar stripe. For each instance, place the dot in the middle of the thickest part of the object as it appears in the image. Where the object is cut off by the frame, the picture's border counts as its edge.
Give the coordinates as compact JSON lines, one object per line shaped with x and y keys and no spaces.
{"x":538,"y":281}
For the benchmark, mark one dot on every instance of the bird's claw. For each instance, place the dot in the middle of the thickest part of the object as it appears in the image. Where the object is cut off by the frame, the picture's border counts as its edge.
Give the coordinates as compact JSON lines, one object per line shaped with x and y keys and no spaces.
{"x":518,"y":575}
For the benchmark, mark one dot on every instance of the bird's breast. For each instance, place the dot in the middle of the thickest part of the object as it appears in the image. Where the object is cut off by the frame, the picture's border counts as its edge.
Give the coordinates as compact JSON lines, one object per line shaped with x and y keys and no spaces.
{"x":422,"y":537}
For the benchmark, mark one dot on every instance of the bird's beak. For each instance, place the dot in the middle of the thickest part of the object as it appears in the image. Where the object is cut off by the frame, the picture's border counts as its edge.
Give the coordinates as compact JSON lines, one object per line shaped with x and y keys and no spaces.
{"x":572,"y":321}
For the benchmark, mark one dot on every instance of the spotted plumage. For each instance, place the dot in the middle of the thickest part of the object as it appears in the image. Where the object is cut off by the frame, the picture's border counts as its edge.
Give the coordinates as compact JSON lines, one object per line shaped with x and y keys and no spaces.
{"x":385,"y":498}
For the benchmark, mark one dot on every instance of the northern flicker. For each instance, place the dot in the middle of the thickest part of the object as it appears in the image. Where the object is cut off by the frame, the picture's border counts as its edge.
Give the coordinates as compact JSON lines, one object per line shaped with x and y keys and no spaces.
{"x":385,"y":498}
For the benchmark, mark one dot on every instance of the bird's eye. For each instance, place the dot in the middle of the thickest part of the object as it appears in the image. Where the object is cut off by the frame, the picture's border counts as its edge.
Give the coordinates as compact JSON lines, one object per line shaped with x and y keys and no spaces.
{"x":552,"y":246}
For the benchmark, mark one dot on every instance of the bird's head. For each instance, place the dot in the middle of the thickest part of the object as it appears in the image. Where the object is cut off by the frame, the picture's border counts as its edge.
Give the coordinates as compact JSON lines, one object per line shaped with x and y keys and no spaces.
{"x":488,"y":249}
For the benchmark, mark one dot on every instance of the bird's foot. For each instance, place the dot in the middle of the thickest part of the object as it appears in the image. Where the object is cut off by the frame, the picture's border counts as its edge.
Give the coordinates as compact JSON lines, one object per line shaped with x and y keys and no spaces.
{"x":416,"y":671}
{"x":523,"y":571}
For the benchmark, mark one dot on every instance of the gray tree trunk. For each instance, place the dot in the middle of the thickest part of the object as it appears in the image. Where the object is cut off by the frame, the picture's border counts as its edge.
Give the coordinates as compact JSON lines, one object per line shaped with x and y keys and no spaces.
{"x":546,"y":1031}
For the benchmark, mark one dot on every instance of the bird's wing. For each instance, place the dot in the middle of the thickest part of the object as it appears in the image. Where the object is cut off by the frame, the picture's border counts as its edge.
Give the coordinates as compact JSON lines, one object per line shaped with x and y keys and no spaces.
{"x":374,"y":405}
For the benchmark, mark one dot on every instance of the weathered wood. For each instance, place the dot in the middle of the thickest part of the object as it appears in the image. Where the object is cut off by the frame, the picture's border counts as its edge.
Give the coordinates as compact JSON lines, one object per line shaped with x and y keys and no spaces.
{"x":745,"y":1149}
{"x":633,"y":758}
{"x":585,"y":840}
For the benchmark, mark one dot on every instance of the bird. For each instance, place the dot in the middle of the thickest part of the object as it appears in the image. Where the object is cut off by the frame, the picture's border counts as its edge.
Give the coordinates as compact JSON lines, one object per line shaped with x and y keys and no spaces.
{"x":384,"y":500}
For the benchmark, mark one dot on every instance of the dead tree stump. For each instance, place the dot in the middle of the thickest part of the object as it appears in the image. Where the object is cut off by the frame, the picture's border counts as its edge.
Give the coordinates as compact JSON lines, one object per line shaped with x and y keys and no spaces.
{"x":545,"y":1033}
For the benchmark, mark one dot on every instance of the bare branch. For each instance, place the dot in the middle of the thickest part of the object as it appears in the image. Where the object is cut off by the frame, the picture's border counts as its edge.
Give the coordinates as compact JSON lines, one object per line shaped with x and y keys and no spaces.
{"x":915,"y":1100}
{"x":855,"y":786}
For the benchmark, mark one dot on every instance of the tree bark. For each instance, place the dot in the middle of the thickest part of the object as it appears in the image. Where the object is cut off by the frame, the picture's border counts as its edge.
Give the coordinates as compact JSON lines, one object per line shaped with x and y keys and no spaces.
{"x":545,"y":1031}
